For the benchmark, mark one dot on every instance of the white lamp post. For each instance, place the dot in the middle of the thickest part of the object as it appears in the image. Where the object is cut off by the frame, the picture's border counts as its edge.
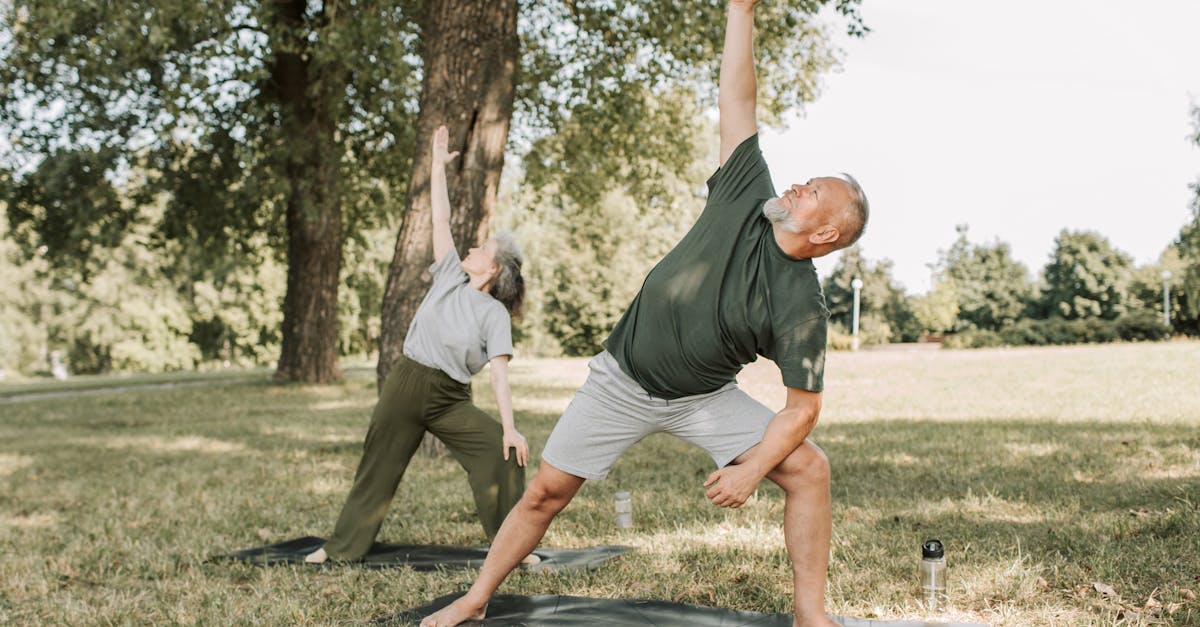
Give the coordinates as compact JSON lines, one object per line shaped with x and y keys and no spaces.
{"x":857,"y":285}
{"x":1166,"y":277}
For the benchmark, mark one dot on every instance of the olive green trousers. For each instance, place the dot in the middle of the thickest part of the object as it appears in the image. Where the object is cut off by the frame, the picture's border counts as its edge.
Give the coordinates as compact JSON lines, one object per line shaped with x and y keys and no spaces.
{"x":416,"y":399}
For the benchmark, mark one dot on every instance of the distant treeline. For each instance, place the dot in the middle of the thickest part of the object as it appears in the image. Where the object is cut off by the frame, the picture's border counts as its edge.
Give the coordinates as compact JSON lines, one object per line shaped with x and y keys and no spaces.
{"x":1088,"y":292}
{"x":150,"y":304}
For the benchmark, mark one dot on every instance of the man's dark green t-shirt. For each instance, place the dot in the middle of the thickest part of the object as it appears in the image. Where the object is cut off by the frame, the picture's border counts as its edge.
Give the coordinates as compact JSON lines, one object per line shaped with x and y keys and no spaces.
{"x":725,"y":294}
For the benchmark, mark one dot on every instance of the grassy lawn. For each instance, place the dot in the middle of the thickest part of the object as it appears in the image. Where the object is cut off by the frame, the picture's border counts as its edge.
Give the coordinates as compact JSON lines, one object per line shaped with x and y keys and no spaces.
{"x":1045,"y":472}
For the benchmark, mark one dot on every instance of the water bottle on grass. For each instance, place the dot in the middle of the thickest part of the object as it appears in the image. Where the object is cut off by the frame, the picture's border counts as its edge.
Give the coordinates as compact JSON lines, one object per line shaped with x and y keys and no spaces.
{"x":933,"y":574}
{"x":624,"y":507}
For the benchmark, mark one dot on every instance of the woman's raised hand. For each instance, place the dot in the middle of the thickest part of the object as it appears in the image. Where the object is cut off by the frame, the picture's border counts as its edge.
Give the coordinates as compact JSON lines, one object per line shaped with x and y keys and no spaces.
{"x":441,"y":139}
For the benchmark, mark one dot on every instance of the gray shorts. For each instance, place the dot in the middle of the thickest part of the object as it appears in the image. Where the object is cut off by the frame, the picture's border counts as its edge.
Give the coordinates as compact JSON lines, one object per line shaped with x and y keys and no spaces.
{"x":611,"y":412}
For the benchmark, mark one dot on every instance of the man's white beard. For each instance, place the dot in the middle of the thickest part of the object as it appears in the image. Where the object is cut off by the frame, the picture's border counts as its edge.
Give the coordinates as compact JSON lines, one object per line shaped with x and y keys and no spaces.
{"x":777,"y":213}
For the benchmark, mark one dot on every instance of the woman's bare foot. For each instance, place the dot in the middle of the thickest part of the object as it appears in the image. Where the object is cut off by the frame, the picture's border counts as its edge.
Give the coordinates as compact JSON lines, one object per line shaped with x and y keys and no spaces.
{"x":460,"y":611}
{"x":316,"y":557}
{"x":528,"y":560}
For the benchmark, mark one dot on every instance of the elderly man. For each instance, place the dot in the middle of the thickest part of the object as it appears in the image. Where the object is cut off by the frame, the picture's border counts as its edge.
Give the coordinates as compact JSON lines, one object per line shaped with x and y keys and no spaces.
{"x":741,"y":283}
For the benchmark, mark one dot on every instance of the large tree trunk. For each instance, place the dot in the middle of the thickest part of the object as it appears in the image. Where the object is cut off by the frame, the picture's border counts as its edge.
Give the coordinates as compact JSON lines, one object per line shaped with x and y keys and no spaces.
{"x":314,"y":214}
{"x":470,"y":54}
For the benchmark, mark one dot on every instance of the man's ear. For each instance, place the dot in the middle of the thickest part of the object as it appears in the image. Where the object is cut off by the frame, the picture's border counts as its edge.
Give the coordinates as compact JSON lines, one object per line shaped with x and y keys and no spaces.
{"x":826,"y":234}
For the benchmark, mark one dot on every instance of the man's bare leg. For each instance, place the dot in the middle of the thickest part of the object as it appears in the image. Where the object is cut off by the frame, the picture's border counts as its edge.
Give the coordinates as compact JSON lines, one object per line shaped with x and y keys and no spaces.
{"x":546,"y":496}
{"x":807,"y":527}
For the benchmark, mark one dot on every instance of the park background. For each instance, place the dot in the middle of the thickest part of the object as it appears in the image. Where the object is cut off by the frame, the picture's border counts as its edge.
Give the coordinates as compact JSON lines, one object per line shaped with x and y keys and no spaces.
{"x":207,"y":193}
{"x":168,"y":170}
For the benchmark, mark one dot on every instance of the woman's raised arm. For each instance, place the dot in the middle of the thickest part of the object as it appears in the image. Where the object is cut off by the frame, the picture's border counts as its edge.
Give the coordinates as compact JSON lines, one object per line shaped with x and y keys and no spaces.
{"x":443,"y":241}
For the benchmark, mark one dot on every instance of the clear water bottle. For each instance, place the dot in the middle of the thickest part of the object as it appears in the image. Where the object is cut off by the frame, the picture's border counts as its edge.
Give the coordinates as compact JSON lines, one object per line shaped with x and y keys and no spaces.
{"x":624,"y":508}
{"x":933,"y":574}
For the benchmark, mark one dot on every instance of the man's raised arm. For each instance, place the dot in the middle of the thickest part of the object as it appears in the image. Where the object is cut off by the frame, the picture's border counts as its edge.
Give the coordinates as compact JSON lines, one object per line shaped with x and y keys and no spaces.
{"x":738,"y":87}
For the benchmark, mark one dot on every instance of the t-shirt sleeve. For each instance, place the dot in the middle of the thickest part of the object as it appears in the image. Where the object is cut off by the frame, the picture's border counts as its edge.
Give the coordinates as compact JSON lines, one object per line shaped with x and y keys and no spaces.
{"x":800,"y":354}
{"x":448,"y":269}
{"x":497,"y":332}
{"x":745,"y":173}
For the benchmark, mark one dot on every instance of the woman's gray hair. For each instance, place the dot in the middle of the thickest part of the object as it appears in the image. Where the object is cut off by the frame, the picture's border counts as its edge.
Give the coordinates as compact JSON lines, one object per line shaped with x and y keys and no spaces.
{"x":508,"y":286}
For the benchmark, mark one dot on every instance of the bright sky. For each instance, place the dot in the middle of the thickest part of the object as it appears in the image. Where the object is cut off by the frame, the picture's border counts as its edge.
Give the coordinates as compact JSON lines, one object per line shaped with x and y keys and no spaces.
{"x":1018,"y":118}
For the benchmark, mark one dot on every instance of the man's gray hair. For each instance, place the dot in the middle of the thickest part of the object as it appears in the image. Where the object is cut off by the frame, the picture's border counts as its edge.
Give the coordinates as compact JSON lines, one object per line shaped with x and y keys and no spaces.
{"x":508,"y":286}
{"x":857,"y":214}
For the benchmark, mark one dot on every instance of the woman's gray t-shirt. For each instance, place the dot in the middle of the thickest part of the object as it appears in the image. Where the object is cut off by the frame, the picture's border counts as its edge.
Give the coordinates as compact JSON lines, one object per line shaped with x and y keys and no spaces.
{"x":457,"y":329}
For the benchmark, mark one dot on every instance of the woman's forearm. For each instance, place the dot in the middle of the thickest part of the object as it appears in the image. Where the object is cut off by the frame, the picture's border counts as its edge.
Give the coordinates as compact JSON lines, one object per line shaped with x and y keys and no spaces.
{"x":498,"y":374}
{"x":443,"y":241}
{"x":439,"y":195}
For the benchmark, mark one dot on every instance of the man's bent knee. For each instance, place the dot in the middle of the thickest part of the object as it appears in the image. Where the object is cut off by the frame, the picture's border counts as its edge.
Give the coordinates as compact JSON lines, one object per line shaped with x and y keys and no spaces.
{"x":550,"y":490}
{"x":807,"y":464}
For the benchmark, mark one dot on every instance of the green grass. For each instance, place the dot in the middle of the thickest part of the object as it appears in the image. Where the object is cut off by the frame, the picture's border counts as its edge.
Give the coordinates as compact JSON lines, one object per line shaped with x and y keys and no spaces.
{"x":79,"y":383}
{"x":1044,"y":471}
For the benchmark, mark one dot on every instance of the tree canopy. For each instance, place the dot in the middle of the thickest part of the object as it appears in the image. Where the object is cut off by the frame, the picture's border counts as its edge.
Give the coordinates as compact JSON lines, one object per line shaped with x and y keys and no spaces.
{"x":1086,"y":277}
{"x":991,"y":288}
{"x":292,"y":122}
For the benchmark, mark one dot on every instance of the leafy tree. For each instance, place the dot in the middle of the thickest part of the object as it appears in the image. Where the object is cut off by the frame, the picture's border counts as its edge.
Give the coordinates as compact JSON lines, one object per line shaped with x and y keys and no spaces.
{"x":937,"y":311}
{"x":598,"y":90}
{"x":991,"y":288}
{"x":23,"y":293}
{"x":1145,"y":292}
{"x":1086,"y":277}
{"x":585,"y":263}
{"x":283,"y":118}
{"x":882,"y":303}
{"x":1186,"y":280}
{"x":294,"y":118}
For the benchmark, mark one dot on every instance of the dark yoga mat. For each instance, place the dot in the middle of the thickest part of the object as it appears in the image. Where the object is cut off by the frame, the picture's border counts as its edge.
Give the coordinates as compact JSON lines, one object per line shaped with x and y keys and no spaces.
{"x":565,"y":611}
{"x":424,"y":556}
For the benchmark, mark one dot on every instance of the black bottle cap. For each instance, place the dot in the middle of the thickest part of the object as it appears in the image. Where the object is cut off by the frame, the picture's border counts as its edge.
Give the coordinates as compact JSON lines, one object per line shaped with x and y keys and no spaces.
{"x":932,"y":549}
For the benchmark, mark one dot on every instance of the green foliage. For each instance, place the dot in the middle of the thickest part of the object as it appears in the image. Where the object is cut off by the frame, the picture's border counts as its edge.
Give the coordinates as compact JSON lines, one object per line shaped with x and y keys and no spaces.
{"x":1141,"y":326}
{"x":973,"y":338}
{"x":1186,"y":272}
{"x":585,"y":264}
{"x":885,"y":311}
{"x":1137,"y":326}
{"x":180,"y":90}
{"x":991,"y":288}
{"x":68,"y":206}
{"x":363,"y":274}
{"x":23,"y":296}
{"x":937,"y":311}
{"x":141,"y":305}
{"x":235,"y":311}
{"x":610,"y":91}
{"x":191,"y":92}
{"x":1086,"y":277}
{"x":200,"y":99}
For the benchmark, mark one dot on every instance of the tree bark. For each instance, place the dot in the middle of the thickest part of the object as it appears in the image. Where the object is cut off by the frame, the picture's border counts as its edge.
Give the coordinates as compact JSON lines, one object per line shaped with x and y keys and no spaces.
{"x":470,"y":53}
{"x":308,"y":100}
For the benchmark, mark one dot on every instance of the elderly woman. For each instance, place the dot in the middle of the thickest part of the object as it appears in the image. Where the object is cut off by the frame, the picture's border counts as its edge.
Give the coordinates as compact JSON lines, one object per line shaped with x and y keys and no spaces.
{"x":463,"y":323}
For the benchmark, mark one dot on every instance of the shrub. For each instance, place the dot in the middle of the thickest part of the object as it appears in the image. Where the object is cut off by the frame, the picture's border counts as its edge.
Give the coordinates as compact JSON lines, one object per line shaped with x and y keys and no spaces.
{"x":1140,"y":326}
{"x":1136,"y":326}
{"x":975,"y":338}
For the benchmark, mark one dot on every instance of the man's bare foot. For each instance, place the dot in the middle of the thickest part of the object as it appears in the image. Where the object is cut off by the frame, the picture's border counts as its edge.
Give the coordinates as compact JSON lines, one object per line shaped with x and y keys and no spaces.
{"x":316,"y":557}
{"x":460,"y":611}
